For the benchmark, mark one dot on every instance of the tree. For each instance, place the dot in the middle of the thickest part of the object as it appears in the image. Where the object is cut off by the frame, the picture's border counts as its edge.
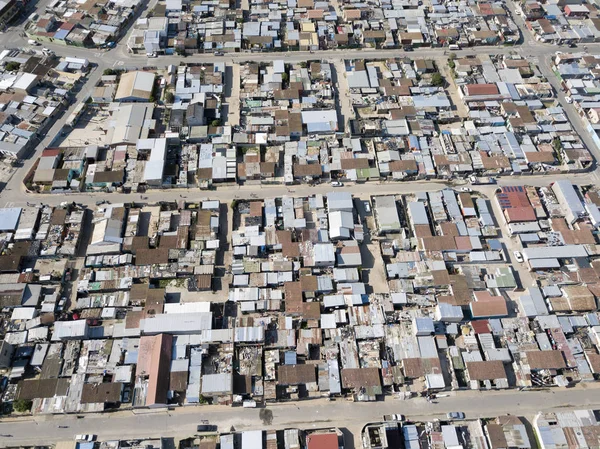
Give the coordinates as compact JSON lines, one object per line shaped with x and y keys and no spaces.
{"x":303,"y":64}
{"x":215,"y":123}
{"x":109,"y":72}
{"x":452,"y":56}
{"x":169,"y":97}
{"x":22,"y":406}
{"x":13,"y":66}
{"x":437,"y":79}
{"x":284,"y":77}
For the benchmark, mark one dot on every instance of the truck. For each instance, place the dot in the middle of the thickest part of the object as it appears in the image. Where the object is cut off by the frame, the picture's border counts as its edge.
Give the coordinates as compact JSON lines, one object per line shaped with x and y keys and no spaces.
{"x":480,"y":180}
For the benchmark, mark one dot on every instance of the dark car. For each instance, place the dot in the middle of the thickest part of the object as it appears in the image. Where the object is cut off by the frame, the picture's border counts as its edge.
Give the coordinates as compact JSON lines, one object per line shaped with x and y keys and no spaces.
{"x":572,"y":45}
{"x":206,"y":428}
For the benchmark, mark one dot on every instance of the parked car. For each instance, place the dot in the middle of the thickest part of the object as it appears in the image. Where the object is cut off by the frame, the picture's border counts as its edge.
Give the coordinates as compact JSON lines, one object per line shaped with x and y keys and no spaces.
{"x":206,"y":428}
{"x":219,"y":53}
{"x":456,"y":415}
{"x":85,"y":437}
{"x":518,"y":256}
{"x":394,"y":417}
{"x":572,"y":45}
{"x":33,"y":42}
{"x":569,"y":100}
{"x":466,"y":189}
{"x":152,"y":55}
{"x":337,"y":184}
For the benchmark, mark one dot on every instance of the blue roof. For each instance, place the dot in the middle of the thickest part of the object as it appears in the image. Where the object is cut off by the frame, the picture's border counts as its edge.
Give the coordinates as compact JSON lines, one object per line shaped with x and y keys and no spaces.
{"x":61,"y":34}
{"x":290,"y":358}
{"x":9,"y":218}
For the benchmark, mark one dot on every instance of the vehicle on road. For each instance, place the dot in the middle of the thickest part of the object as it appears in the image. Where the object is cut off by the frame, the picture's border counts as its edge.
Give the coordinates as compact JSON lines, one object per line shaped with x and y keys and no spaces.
{"x":518,"y":256}
{"x":33,"y":42}
{"x":455,"y":415}
{"x":479,"y":180}
{"x":337,"y":184}
{"x":152,"y":55}
{"x":466,"y":189}
{"x":572,"y":45}
{"x":206,"y":428}
{"x":219,"y":53}
{"x":85,"y":437}
{"x":394,"y":417}
{"x":569,"y":100}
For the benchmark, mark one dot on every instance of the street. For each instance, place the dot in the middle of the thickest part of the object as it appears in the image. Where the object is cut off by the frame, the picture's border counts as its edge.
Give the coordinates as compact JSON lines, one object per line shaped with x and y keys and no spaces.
{"x":316,"y":413}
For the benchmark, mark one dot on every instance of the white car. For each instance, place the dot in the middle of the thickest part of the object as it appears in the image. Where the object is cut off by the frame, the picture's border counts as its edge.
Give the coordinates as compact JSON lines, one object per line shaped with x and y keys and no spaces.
{"x":518,"y":256}
{"x":466,"y":189}
{"x":337,"y":184}
{"x":84,"y":437}
{"x":569,"y":100}
{"x":151,"y":55}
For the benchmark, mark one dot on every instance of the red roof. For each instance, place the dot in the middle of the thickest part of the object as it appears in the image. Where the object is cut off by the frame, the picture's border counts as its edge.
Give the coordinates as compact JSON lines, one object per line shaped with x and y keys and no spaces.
{"x":514,"y":202}
{"x":481,"y":326}
{"x":481,"y":89}
{"x":322,"y":441}
{"x":154,"y":361}
{"x":486,"y":305}
{"x":51,"y":152}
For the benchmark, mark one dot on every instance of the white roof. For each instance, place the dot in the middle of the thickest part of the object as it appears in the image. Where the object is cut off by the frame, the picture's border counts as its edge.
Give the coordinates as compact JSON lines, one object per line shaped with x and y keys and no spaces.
{"x":188,"y":307}
{"x":23,"y":313}
{"x":25,"y":81}
{"x":154,"y":170}
{"x":175,"y":323}
{"x":252,"y":439}
{"x":69,"y":329}
{"x":325,"y":116}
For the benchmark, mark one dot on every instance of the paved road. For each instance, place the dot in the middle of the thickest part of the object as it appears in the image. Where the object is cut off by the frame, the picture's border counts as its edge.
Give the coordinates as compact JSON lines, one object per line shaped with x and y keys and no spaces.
{"x":308,"y":414}
{"x":18,"y":198}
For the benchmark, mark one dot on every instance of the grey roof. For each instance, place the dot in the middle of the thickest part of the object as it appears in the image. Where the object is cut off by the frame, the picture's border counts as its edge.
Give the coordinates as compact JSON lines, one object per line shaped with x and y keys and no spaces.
{"x":339,"y":201}
{"x":418,"y":214}
{"x":358,"y":79}
{"x":567,"y":196}
{"x":217,"y":383}
{"x":558,"y":252}
{"x":387,"y":214}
